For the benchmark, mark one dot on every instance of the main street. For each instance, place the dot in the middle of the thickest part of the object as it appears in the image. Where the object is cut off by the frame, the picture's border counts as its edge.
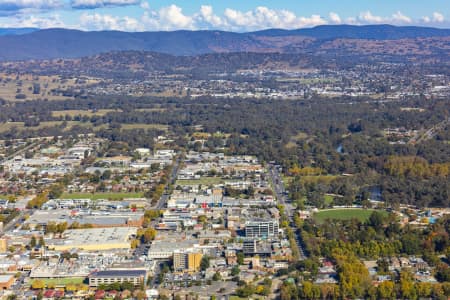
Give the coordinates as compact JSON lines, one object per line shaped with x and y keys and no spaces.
{"x":173,"y":176}
{"x":281,"y":194}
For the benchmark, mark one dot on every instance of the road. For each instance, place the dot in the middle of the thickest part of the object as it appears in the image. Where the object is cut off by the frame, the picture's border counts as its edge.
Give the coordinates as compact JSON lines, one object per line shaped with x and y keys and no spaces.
{"x":17,"y":221}
{"x":20,"y":152}
{"x":430,"y":133}
{"x":173,"y":176}
{"x":281,"y":194}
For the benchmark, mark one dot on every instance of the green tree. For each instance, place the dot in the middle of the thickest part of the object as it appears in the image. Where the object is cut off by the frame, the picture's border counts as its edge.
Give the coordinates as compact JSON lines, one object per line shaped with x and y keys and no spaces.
{"x":204,"y":263}
{"x":386,"y":290}
{"x":235,"y":271}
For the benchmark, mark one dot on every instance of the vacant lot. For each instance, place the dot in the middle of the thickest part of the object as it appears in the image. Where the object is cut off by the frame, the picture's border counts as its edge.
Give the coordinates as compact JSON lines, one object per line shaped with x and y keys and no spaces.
{"x":344,"y":214}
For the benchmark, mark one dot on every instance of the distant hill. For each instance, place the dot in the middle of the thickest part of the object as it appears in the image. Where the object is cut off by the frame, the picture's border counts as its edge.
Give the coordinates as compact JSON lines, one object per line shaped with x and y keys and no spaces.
{"x":65,"y":43}
{"x":16,"y":31}
{"x":372,"y":32}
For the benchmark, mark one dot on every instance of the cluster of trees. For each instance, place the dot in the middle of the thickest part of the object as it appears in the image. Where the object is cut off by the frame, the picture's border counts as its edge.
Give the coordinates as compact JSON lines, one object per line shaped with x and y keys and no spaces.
{"x":406,"y":288}
{"x":38,"y":201}
{"x":380,"y":236}
{"x":262,"y":289}
{"x":53,"y":227}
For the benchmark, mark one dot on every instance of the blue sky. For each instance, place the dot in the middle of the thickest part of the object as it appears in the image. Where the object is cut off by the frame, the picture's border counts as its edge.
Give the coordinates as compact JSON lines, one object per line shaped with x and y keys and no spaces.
{"x":234,"y":15}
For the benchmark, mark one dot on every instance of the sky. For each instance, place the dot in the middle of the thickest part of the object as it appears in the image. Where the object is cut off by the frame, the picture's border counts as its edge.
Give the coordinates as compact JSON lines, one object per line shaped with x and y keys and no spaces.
{"x":230,"y":15}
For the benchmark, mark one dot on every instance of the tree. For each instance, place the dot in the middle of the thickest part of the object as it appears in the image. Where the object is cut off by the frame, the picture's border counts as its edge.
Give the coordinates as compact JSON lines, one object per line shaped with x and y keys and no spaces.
{"x":407,"y":289}
{"x":204,"y":263}
{"x":386,"y":290}
{"x":37,"y":284}
{"x":33,"y":242}
{"x":235,"y":271}
{"x":240,"y":258}
{"x":245,"y":291}
{"x":216,"y":276}
{"x":376,"y":219}
{"x":134,"y":244}
{"x":55,"y":191}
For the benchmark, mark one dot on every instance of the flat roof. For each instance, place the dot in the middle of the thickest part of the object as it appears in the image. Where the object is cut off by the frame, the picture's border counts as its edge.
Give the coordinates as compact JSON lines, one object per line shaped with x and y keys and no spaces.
{"x":119,"y":273}
{"x":77,"y":238}
{"x":5,"y":278}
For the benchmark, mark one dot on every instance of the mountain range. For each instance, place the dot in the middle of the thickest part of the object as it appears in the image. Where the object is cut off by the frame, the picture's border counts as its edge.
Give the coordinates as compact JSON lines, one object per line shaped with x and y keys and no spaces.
{"x":31,"y":43}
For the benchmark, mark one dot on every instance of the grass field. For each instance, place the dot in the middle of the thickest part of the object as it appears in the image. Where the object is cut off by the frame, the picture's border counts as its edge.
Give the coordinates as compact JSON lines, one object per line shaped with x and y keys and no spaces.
{"x":144,"y":126}
{"x":88,"y":113}
{"x":96,"y":196}
{"x":202,"y":181}
{"x":63,"y":281}
{"x":153,"y":109}
{"x":344,"y":214}
{"x":20,"y":126}
{"x":13,"y":84}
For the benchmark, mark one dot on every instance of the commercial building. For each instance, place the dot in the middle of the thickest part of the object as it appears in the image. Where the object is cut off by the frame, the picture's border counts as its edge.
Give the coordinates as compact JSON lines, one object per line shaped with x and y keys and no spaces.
{"x":261,"y":228}
{"x":96,"y":219}
{"x":94,"y":239}
{"x":166,"y":249}
{"x":186,"y":261}
{"x":136,"y":277}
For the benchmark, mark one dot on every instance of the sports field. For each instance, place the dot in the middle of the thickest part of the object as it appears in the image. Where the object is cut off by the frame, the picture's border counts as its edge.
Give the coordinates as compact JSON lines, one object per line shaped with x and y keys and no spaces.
{"x":345,"y":214}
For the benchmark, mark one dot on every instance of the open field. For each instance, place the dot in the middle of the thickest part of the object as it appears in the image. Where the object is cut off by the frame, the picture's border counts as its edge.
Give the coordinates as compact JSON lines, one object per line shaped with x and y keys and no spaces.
{"x":153,"y":109}
{"x":13,"y":84}
{"x":20,"y":125}
{"x":345,"y":214}
{"x":203,"y":181}
{"x":97,"y":196}
{"x":63,"y":281}
{"x":144,"y":126}
{"x":88,"y":113}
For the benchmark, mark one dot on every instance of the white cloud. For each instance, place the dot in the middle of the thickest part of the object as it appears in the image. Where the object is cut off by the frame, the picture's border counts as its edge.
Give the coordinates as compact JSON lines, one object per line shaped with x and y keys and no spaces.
{"x":167,"y":18}
{"x":145,"y":5}
{"x":335,"y":18}
{"x":172,"y":17}
{"x":107,"y":22}
{"x":438,"y":17}
{"x":425,"y":19}
{"x":263,"y":17}
{"x":367,"y":17}
{"x":398,"y":17}
{"x":92,"y":4}
{"x":33,"y":21}
{"x":10,"y":7}
{"x":207,"y":16}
